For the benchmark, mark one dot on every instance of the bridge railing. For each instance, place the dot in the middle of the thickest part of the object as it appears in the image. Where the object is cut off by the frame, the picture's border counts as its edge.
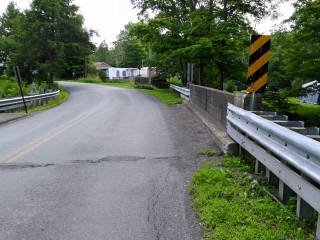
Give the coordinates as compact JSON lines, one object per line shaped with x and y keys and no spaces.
{"x":289,"y":159}
{"x":12,"y":104}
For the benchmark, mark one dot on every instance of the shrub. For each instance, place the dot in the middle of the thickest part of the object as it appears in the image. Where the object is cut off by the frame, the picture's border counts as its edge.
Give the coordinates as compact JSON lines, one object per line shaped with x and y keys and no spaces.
{"x":103,"y":75}
{"x":175,"y":81}
{"x":160,"y":80}
{"x":89,"y":80}
{"x":145,"y":86}
{"x":10,"y":89}
{"x":230,"y":86}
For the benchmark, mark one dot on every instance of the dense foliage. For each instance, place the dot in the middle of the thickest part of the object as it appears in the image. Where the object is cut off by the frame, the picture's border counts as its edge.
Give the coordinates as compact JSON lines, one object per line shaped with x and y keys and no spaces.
{"x":215,"y":36}
{"x":46,"y":40}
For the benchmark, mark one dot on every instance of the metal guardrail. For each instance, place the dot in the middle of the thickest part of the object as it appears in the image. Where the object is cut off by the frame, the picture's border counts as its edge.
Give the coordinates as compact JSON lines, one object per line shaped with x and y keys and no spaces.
{"x":17,"y":102}
{"x":184,"y":92}
{"x":278,"y":151}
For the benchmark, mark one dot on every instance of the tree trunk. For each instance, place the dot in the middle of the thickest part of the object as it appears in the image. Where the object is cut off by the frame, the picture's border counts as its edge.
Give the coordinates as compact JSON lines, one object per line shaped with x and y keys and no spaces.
{"x":221,"y":76}
{"x":50,"y":78}
{"x":183,"y":76}
{"x":200,"y":72}
{"x":85,"y":67}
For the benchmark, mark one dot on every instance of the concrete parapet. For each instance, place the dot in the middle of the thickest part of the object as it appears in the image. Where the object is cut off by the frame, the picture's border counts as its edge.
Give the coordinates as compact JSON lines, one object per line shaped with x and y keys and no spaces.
{"x":211,"y":104}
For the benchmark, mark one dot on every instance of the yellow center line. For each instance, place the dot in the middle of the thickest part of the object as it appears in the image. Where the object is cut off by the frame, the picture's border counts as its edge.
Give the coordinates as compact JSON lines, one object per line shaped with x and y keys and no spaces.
{"x":52,"y":134}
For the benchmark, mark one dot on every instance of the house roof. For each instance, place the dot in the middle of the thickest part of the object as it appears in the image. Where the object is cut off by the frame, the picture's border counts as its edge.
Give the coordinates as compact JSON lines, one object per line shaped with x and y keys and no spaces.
{"x":101,"y":65}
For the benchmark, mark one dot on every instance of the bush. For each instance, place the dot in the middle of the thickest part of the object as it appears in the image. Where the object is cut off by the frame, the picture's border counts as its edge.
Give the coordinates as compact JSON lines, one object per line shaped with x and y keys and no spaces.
{"x":103,"y":75}
{"x":160,"y":80}
{"x":10,"y":89}
{"x":89,"y":80}
{"x":145,"y":86}
{"x":230,"y":86}
{"x":175,"y":81}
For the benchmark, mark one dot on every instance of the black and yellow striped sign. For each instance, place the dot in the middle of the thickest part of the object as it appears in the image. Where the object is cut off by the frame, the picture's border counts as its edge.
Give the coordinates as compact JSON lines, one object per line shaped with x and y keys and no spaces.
{"x":258,"y":63}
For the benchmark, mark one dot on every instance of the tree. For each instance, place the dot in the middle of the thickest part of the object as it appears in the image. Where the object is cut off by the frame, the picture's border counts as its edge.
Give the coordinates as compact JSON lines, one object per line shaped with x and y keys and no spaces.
{"x":211,"y":33}
{"x":304,"y":56}
{"x":128,"y":51}
{"x":101,"y":53}
{"x":49,"y":38}
{"x":9,"y":25}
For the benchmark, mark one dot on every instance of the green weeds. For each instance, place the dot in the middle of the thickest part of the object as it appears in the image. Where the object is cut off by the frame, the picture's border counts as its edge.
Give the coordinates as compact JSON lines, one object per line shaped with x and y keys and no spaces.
{"x":208,"y":152}
{"x":63,"y":96}
{"x":232,"y":203}
{"x":145,"y":86}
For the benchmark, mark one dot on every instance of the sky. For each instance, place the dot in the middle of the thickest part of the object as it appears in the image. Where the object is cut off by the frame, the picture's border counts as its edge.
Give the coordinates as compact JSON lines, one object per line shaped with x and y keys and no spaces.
{"x":107,"y":17}
{"x":110,"y":16}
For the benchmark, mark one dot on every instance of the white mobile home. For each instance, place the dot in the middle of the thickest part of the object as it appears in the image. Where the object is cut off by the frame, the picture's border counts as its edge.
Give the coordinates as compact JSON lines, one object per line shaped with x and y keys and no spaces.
{"x":129,"y":73}
{"x":124,"y":73}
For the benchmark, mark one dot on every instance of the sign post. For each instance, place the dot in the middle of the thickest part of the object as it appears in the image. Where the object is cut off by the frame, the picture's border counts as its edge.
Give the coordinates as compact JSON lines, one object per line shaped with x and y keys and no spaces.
{"x":19,"y":81}
{"x":139,"y":67}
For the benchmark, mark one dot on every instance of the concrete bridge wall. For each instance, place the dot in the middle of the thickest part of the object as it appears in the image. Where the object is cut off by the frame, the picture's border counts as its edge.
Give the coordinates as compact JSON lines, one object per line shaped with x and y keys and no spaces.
{"x":210,"y":105}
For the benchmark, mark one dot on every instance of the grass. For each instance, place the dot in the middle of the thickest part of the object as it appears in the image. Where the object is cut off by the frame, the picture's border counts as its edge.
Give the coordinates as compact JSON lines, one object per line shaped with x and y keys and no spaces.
{"x":167,"y":96}
{"x":232,"y":203}
{"x":63,"y":96}
{"x":308,"y":113}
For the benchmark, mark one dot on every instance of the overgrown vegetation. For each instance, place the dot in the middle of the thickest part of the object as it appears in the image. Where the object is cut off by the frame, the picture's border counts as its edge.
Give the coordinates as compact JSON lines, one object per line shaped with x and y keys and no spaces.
{"x":60,"y":51}
{"x":63,"y":96}
{"x":145,"y":86}
{"x":233,"y":203}
{"x":10,"y":89}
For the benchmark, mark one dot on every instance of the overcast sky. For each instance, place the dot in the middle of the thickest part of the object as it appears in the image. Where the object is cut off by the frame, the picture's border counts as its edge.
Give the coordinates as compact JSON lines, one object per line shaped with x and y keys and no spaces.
{"x":109,"y":17}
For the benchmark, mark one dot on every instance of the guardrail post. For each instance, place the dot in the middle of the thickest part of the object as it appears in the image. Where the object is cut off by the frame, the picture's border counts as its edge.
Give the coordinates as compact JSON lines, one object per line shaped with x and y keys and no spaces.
{"x":318,"y":227}
{"x":272,"y":178}
{"x":259,"y":167}
{"x":285,"y":193}
{"x":304,"y":210}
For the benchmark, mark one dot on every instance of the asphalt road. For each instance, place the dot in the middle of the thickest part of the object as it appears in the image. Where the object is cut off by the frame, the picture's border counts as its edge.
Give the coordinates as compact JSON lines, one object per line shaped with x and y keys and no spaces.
{"x":109,"y":163}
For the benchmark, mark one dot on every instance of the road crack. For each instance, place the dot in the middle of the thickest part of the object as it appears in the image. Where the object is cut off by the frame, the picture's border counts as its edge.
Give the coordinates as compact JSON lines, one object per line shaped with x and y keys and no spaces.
{"x":15,"y":166}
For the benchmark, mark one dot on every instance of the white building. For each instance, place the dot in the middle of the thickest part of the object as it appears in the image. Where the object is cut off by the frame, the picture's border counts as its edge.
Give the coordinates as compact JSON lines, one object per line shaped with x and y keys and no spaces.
{"x":124,"y":73}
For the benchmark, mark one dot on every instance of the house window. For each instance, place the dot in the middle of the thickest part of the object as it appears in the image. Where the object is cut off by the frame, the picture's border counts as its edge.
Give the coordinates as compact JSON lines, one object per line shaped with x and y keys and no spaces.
{"x":118,"y":73}
{"x":123,"y":73}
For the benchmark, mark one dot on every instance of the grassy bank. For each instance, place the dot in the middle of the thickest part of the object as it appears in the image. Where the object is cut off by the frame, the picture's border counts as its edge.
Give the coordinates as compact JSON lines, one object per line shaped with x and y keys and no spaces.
{"x":233,"y":203}
{"x":308,"y":113}
{"x":63,"y":96}
{"x":167,"y":96}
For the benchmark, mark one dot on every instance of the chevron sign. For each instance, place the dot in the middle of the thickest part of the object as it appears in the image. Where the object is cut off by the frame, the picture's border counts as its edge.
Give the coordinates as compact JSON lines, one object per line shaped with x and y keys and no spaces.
{"x":258,"y":63}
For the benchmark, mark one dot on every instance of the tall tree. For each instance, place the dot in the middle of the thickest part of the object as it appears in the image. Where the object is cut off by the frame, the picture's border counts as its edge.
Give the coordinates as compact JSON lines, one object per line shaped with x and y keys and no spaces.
{"x":50,"y":35}
{"x":211,"y":32}
{"x":303,"y":57}
{"x":10,"y":21}
{"x":101,"y":52}
{"x":128,"y":50}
